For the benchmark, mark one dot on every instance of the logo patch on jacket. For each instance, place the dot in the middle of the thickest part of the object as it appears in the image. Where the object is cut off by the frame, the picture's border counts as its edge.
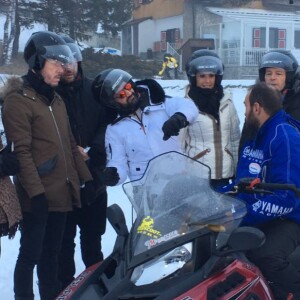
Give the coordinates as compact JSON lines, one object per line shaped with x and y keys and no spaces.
{"x":254,"y":168}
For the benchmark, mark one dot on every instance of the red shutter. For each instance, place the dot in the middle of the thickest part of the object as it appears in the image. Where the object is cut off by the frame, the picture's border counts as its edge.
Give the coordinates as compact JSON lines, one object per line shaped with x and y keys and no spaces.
{"x":281,"y":38}
{"x":256,"y":37}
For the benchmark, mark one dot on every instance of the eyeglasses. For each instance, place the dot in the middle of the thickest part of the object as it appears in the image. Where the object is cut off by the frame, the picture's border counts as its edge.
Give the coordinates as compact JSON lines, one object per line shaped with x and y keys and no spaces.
{"x":122,"y":93}
{"x":56,"y":62}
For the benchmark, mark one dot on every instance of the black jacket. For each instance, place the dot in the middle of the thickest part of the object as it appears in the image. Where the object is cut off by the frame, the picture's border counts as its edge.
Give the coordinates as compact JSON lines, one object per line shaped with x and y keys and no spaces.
{"x":88,"y":120}
{"x":291,"y":100}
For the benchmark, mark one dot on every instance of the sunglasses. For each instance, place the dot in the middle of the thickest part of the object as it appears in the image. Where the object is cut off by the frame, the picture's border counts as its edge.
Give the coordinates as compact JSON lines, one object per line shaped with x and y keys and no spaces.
{"x":122,"y":93}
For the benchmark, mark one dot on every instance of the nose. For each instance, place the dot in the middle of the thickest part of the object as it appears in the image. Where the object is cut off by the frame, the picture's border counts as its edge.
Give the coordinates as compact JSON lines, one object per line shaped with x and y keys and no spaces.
{"x":129,"y":92}
{"x":60,"y":69}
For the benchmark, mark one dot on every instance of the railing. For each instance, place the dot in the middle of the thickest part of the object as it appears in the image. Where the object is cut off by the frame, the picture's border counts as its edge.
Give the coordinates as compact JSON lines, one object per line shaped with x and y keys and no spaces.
{"x":175,"y":54}
{"x":242,"y":57}
{"x":252,"y":56}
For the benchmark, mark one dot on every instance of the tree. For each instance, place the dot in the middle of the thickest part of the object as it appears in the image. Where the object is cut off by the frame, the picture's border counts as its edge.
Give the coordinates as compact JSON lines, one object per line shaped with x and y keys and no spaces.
{"x":8,"y":8}
{"x":113,"y":14}
{"x":74,"y":17}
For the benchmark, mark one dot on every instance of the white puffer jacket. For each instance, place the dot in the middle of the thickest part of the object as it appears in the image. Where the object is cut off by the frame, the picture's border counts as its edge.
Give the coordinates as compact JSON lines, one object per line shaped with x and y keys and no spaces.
{"x":132,"y":142}
{"x":216,"y":145}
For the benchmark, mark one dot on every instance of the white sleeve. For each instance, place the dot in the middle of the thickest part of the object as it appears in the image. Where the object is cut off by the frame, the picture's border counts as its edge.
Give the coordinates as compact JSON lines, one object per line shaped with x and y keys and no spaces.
{"x":182,"y":105}
{"x":116,"y":153}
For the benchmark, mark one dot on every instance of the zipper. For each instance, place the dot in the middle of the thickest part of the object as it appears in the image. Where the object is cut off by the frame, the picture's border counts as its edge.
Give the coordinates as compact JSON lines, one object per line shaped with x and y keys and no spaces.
{"x":140,"y":121}
{"x":61,"y":144}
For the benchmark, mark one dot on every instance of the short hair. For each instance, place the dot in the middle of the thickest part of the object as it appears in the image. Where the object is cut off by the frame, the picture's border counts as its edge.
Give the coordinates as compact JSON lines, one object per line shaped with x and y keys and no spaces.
{"x":266,"y":96}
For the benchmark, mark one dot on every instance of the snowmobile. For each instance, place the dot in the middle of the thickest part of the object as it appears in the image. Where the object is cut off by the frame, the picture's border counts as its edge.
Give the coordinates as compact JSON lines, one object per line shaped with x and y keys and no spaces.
{"x":185,"y":242}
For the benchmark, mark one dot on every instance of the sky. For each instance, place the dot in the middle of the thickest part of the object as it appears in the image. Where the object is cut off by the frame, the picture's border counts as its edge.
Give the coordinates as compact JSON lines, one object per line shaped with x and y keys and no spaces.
{"x":9,"y":248}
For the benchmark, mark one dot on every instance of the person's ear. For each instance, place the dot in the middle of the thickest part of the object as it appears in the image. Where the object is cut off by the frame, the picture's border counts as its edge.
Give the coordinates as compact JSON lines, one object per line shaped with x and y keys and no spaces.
{"x":256,"y":108}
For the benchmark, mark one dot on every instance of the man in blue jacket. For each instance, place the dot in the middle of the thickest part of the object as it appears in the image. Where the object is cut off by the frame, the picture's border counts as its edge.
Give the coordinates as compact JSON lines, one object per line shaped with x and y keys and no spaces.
{"x":271,"y":152}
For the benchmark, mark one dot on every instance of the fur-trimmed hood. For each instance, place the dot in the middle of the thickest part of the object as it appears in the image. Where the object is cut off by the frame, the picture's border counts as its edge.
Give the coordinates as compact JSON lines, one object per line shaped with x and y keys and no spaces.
{"x":13,"y":84}
{"x":155,"y":90}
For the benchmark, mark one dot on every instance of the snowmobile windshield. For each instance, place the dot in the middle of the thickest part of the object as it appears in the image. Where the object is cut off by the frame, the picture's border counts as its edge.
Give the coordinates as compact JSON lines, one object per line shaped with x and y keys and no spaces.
{"x":174,"y":199}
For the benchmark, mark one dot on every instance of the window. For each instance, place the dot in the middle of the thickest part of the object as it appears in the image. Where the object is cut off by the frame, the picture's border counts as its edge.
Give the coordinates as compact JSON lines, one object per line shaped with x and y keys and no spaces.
{"x":297,"y":39}
{"x":259,"y":37}
{"x":277,"y":38}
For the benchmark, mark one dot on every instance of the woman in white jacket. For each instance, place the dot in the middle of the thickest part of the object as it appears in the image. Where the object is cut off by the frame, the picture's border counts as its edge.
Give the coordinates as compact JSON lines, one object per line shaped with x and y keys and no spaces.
{"x":214,"y":137}
{"x":148,"y":123}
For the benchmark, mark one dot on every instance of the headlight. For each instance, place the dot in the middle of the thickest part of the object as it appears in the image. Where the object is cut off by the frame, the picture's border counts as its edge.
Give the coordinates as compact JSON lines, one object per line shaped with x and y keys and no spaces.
{"x":163,"y":266}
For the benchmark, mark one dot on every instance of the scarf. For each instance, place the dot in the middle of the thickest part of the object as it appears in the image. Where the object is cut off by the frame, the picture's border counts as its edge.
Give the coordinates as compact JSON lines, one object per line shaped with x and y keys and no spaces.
{"x":41,"y":87}
{"x":207,"y":100}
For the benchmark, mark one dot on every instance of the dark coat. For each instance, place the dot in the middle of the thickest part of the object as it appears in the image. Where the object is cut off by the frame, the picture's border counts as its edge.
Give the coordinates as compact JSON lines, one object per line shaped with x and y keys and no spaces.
{"x":291,"y":101}
{"x":88,"y":120}
{"x":49,"y":159}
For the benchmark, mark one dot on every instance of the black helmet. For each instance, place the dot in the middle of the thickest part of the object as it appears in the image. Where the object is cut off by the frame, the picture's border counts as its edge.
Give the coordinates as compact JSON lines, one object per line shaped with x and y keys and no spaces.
{"x":203,"y":52}
{"x":73,"y":46}
{"x":205,"y":64}
{"x":44,"y":45}
{"x":167,"y":56}
{"x":280,"y":58}
{"x":199,"y":53}
{"x":107,"y":84}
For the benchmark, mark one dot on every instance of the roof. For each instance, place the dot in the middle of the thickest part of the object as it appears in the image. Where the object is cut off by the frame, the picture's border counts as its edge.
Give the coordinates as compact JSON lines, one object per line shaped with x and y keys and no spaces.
{"x":258,"y":14}
{"x":136,"y":21}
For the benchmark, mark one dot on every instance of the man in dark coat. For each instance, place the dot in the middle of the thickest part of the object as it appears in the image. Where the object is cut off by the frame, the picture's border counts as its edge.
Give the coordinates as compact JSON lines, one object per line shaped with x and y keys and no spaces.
{"x":51,"y":168}
{"x":88,"y":121}
{"x":279,"y":69}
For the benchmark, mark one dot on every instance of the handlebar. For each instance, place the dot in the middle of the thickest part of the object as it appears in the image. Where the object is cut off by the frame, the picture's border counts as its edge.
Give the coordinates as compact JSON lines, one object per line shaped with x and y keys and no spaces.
{"x":250,"y":185}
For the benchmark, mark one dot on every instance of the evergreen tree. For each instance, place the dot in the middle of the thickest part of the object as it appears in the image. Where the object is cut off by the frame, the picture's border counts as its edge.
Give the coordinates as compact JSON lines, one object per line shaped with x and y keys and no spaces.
{"x":113,"y":13}
{"x":75,"y":17}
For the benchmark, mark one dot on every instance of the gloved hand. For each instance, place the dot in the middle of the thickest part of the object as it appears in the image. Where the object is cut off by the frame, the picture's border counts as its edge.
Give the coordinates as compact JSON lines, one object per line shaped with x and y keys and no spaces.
{"x":97,"y":155}
{"x":88,"y":193}
{"x":110,"y":176}
{"x":9,"y":165}
{"x":173,"y":125}
{"x":39,"y":206}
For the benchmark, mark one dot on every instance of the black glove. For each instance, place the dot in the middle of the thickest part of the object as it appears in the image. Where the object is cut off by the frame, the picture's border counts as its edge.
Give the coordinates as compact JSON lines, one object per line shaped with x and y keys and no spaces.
{"x":110,"y":176}
{"x":9,"y":165}
{"x":97,"y":155}
{"x":88,"y":193}
{"x":173,"y":125}
{"x":39,"y":206}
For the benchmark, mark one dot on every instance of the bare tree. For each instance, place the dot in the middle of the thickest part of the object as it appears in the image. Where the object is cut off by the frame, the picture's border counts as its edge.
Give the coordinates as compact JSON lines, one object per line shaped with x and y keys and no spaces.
{"x":8,"y":31}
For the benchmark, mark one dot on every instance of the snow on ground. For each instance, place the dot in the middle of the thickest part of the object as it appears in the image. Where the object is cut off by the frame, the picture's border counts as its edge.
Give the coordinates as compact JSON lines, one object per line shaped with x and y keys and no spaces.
{"x":10,"y":248}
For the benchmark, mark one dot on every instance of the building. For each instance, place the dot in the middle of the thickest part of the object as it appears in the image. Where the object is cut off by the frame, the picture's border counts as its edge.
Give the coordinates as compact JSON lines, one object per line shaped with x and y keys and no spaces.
{"x":241,"y":30}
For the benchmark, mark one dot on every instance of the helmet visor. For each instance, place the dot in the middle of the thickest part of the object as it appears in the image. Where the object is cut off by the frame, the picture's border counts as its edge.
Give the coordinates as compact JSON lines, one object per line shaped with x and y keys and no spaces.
{"x":277,"y":60}
{"x":115,"y":82}
{"x":61,"y":53}
{"x":205,"y":65}
{"x":75,"y":51}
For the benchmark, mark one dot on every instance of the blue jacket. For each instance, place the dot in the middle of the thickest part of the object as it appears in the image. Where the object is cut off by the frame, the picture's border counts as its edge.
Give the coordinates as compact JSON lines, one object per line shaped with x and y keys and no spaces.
{"x":274,"y":157}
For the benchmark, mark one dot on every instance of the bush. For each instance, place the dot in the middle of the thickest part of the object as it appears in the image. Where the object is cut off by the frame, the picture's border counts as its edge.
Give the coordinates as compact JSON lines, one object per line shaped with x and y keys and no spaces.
{"x":93,"y":63}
